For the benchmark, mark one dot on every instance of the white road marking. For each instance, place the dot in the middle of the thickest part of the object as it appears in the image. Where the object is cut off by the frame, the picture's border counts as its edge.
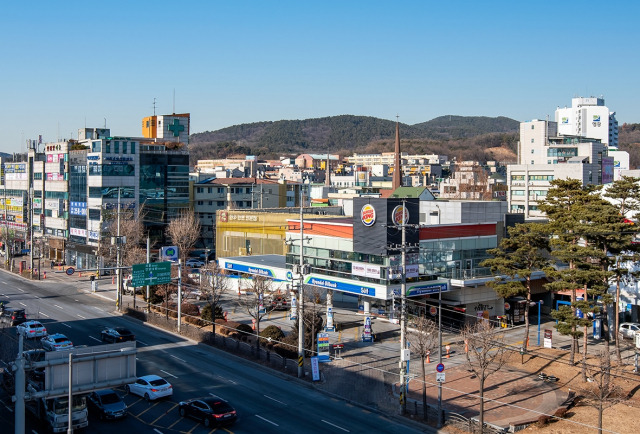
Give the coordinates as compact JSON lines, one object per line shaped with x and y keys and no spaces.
{"x":22,"y":304}
{"x":96,"y":308}
{"x":339,"y":427}
{"x":59,"y":307}
{"x":36,"y":296}
{"x":66,"y":325}
{"x":273,"y":399}
{"x":21,"y":290}
{"x":168,"y":373}
{"x":43,"y":314}
{"x":140,"y":342}
{"x":157,"y":430}
{"x":81,"y":316}
{"x":182,"y":360}
{"x":75,"y":300}
{"x":266,"y":420}
{"x":95,"y":339}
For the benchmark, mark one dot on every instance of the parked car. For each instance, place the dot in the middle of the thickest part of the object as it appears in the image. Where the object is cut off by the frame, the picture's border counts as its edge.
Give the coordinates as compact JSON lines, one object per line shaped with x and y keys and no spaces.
{"x":150,"y":387}
{"x":194,"y":263}
{"x":210,"y":410}
{"x":116,"y":334}
{"x":13,"y":316}
{"x":628,"y":329}
{"x":107,"y":404}
{"x":56,"y":342}
{"x":31,"y":329}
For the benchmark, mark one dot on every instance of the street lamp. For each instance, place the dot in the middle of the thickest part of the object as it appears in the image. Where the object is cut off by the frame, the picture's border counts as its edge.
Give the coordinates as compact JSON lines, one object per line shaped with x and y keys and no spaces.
{"x":439,"y":350}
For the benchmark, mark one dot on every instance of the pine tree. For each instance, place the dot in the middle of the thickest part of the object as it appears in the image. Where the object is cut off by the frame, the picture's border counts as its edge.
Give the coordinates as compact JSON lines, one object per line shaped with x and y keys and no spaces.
{"x":524,"y":252}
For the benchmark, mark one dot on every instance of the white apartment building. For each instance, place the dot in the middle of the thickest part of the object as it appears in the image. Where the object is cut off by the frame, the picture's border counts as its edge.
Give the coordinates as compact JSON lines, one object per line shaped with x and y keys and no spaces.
{"x":588,"y":117}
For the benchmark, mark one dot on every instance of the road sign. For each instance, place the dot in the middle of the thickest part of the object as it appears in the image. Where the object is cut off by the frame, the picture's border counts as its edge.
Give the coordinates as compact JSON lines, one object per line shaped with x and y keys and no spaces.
{"x":153,"y":273}
{"x":70,"y":271}
{"x":440,"y":367}
{"x":439,"y":377}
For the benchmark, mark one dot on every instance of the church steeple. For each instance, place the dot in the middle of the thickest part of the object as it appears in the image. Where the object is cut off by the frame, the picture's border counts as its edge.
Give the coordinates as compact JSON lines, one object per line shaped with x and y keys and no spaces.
{"x":396,"y":180}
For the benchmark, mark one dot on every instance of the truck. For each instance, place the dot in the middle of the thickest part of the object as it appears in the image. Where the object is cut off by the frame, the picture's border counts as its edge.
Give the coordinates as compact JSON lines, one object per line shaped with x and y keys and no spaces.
{"x":54,"y":412}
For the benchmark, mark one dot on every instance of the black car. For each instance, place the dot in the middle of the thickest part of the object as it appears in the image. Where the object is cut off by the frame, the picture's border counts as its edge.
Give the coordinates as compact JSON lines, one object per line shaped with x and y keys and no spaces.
{"x":13,"y":316}
{"x":210,"y":410}
{"x":116,"y":334}
{"x":107,"y":404}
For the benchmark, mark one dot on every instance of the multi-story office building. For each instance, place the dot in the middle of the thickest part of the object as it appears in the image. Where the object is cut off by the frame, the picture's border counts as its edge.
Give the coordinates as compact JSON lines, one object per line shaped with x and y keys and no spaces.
{"x":544,"y":155}
{"x":590,"y":118}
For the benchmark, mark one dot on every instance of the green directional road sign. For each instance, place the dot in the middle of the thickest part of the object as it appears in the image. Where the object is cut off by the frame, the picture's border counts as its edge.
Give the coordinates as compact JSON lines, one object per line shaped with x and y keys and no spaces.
{"x":153,"y":273}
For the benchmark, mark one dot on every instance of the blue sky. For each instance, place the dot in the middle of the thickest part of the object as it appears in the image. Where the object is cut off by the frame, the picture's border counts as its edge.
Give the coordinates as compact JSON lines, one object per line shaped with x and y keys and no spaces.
{"x":68,"y":64}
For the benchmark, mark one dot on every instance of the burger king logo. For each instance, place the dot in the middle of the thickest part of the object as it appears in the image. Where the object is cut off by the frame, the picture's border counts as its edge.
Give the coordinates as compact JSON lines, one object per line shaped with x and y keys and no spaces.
{"x":368,"y":215}
{"x":400,"y":215}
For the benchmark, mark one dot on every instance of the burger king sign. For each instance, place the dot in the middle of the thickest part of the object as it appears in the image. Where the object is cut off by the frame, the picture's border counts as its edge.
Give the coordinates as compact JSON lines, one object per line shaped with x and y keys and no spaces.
{"x":400,"y":215}
{"x":368,"y":215}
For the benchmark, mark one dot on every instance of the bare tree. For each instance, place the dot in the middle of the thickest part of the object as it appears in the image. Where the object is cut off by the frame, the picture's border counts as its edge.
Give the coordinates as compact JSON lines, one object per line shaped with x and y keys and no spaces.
{"x":602,"y":392}
{"x":423,"y":338}
{"x":213,"y":285}
{"x":7,"y":236}
{"x":486,"y":355}
{"x":184,"y":231}
{"x":312,"y":317}
{"x":132,"y":228}
{"x":253,"y":303}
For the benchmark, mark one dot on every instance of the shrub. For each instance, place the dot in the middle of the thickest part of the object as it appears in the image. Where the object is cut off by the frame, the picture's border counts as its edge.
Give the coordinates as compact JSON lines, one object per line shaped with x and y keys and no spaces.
{"x":190,"y":309}
{"x":205,"y":312}
{"x":543,"y":420}
{"x":244,"y":329}
{"x":273,"y":332}
{"x":561,"y":412}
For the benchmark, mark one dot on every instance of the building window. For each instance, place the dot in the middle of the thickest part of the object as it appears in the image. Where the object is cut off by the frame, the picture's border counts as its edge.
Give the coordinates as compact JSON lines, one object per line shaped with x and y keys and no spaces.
{"x":96,"y":146}
{"x":533,"y":151}
{"x":107,"y":147}
{"x":532,"y":140}
{"x":209,"y":190}
{"x":124,"y":147}
{"x":116,"y":147}
{"x":220,"y":190}
{"x":94,"y":214}
{"x":532,"y":127}
{"x":220,"y":203}
{"x":199,"y":190}
{"x":210,"y":203}
{"x":133,"y":147}
{"x":248,"y":204}
{"x":200,"y":202}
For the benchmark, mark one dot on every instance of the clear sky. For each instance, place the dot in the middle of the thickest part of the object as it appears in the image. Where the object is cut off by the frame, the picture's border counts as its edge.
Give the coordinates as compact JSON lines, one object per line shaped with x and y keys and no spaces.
{"x":68,"y":64}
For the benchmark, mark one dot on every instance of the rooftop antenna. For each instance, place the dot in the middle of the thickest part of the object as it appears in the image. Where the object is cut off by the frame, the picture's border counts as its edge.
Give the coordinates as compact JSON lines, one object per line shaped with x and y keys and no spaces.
{"x":105,"y":123}
{"x":174,"y":100}
{"x":154,"y":106}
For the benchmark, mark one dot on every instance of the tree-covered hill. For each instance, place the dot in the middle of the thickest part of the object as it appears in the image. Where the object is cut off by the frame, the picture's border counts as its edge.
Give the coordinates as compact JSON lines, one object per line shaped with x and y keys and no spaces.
{"x":460,"y":136}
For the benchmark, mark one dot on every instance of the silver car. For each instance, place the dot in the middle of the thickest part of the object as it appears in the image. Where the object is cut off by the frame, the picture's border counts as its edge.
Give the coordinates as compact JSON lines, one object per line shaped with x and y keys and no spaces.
{"x":628,"y":329}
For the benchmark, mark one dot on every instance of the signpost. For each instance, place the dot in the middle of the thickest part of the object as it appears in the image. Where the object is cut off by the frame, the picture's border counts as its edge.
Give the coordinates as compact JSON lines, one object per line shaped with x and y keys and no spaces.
{"x":323,"y":347}
{"x":547,"y":338}
{"x":153,"y":273}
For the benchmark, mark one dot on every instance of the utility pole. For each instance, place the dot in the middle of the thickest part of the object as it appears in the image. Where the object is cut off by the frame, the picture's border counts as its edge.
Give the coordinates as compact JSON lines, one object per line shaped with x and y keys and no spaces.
{"x":403,"y":317}
{"x":70,"y":398}
{"x":179,"y":294}
{"x":301,"y":299}
{"x":19,"y":388}
{"x":118,"y":259}
{"x":148,"y":260}
{"x":440,"y":354}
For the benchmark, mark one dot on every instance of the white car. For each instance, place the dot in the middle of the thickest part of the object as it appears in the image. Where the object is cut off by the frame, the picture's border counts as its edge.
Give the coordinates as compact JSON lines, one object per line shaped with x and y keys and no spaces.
{"x":628,"y":329}
{"x":194,"y":263}
{"x":150,"y":387}
{"x":31,"y":329}
{"x":56,"y":342}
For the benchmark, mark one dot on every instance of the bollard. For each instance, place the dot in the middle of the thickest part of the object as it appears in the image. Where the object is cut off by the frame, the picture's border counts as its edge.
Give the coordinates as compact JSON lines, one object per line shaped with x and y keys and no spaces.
{"x":45,"y":274}
{"x":80,"y":274}
{"x":113,"y":280}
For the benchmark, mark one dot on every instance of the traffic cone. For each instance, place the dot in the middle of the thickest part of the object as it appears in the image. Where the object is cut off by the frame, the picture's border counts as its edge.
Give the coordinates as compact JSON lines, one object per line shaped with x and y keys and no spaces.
{"x":113,"y":280}
{"x":428,"y":357}
{"x":45,"y":274}
{"x":253,"y":325}
{"x":447,"y":351}
{"x":466,"y":346}
{"x":80,"y":274}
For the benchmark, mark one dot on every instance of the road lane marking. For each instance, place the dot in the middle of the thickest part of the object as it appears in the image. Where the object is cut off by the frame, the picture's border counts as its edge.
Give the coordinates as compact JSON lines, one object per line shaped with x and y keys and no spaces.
{"x":173,"y":424}
{"x":75,"y":300}
{"x":66,"y":325}
{"x":95,"y":339}
{"x":59,"y":307}
{"x":96,"y":308}
{"x":334,"y":425}
{"x":143,"y":343}
{"x":168,"y":373}
{"x":36,"y":297}
{"x":158,"y":431}
{"x":22,"y":304}
{"x":266,"y":420}
{"x":273,"y":399}
{"x":21,"y":290}
{"x":43,"y":314}
{"x":182,"y":360}
{"x":83,"y":317}
{"x":150,"y":407}
{"x":164,"y":414}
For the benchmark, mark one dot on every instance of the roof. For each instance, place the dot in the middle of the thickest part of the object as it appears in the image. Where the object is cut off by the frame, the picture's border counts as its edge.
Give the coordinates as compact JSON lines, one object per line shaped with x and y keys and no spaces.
{"x":247,"y":181}
{"x":408,"y":192}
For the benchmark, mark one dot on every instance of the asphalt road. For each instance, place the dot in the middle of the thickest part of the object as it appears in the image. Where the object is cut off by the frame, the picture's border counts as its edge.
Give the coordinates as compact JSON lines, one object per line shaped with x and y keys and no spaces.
{"x":266,"y":401}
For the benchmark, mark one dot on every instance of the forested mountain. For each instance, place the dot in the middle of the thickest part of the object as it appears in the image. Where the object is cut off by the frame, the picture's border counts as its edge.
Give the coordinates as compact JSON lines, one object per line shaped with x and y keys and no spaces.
{"x":463,"y":137}
{"x":470,"y":137}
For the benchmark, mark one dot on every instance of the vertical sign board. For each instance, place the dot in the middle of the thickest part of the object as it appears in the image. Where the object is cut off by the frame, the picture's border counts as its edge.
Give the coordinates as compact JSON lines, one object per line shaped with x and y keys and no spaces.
{"x":547,"y":338}
{"x":293,"y":315}
{"x":323,"y":347}
{"x":315,"y":369}
{"x":330,"y":327}
{"x":367,"y":335}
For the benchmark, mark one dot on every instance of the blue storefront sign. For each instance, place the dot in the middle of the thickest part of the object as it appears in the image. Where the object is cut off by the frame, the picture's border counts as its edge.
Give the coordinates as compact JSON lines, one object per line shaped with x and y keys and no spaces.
{"x":341,"y":286}
{"x":427,"y":288}
{"x":78,"y":208}
{"x":249,"y":269}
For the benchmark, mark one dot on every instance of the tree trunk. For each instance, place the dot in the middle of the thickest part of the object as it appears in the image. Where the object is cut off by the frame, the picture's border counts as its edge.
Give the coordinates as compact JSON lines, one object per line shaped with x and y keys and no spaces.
{"x":584,"y":354}
{"x":425,"y":411}
{"x":213,"y":321}
{"x":605,"y":326}
{"x":525,"y":343}
{"x":616,"y":312}
{"x":481,"y":414}
{"x":258,"y":335}
{"x":574,"y":339}
{"x":600,"y":411}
